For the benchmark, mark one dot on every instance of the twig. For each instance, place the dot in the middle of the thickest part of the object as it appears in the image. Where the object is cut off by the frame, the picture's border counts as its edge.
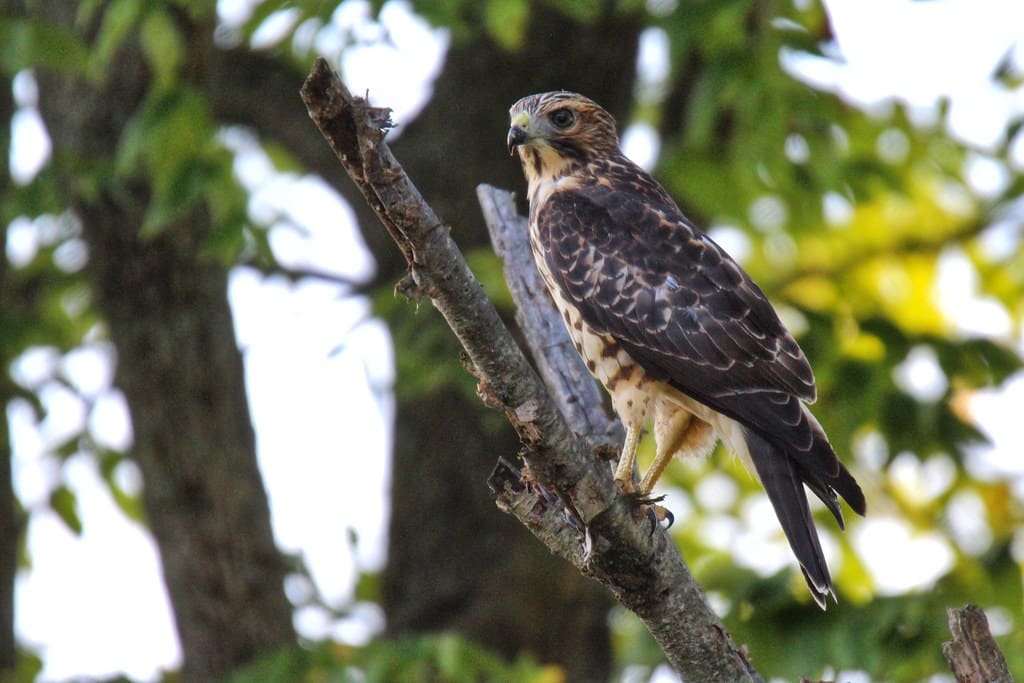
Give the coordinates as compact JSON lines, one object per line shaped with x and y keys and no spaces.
{"x":973,"y":655}
{"x":352,"y":285}
{"x":643,"y":569}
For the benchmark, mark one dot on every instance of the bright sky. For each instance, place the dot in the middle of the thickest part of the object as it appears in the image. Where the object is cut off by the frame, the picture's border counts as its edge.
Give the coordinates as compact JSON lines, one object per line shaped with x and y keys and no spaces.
{"x":319,"y":369}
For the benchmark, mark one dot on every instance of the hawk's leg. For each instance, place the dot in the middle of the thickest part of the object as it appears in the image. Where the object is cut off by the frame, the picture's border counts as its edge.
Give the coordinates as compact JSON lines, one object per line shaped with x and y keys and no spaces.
{"x":682,"y":434}
{"x":624,"y":479}
{"x":624,"y":470}
{"x":670,"y":424}
{"x":654,"y":473}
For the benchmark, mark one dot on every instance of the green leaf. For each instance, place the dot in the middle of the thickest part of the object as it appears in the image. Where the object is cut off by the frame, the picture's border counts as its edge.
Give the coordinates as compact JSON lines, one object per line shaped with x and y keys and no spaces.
{"x":175,"y":197}
{"x":130,"y":505}
{"x":87,"y":10}
{"x":27,"y":668}
{"x":64,"y":503}
{"x":290,"y":663}
{"x":506,"y":21}
{"x":368,"y":587}
{"x":171,"y":139}
{"x":25,"y":43}
{"x":119,"y":19}
{"x":581,"y":10}
{"x":163,"y":46}
{"x":69,"y":447}
{"x":198,"y":10}
{"x":980,"y":362}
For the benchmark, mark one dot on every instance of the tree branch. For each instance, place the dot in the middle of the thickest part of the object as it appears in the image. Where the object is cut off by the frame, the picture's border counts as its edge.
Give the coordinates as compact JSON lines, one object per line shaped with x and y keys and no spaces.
{"x":571,"y":386}
{"x":973,"y":655}
{"x":353,"y":286}
{"x":643,"y":569}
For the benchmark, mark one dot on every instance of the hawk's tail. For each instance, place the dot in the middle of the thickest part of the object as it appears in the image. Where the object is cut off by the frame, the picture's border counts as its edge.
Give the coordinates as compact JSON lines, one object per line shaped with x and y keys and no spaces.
{"x":783,"y":479}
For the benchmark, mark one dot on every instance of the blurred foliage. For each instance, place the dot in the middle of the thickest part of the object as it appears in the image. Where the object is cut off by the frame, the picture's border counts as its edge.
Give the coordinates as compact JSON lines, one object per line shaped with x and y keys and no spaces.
{"x":171,"y":140}
{"x":425,"y":659}
{"x":28,"y":668}
{"x":845,"y":217}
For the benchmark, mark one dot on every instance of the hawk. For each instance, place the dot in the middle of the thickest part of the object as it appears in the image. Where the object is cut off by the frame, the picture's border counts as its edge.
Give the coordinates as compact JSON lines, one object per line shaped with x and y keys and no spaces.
{"x":669,"y":323}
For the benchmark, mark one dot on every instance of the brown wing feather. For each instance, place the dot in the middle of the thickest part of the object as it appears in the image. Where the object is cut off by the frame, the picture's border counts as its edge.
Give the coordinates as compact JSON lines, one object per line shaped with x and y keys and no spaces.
{"x":641,"y":272}
{"x":638,"y":270}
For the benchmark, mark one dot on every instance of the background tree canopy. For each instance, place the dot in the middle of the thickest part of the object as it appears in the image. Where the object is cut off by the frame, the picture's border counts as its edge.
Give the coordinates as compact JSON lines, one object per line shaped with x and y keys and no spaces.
{"x":886,"y":227}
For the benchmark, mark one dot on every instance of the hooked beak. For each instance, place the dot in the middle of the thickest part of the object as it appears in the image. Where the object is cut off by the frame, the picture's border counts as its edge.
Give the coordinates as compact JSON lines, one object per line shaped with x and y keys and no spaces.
{"x":518,"y":132}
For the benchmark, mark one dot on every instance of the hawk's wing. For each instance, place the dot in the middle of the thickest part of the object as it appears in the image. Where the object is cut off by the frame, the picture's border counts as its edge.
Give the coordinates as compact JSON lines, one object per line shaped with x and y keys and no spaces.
{"x":687,"y":313}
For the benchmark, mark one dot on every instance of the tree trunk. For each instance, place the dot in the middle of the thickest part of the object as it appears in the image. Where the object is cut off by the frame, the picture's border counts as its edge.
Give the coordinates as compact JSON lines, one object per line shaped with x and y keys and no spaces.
{"x":181,"y":372}
{"x":10,"y":526}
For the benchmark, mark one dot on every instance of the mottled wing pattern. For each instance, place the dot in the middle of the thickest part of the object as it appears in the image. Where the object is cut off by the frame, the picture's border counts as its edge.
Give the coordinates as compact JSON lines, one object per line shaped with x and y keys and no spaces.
{"x":637,"y":269}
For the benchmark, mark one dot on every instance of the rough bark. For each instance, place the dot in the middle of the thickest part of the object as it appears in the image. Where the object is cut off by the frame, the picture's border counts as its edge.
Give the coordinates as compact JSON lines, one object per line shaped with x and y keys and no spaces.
{"x":608,"y":541}
{"x":973,"y":655}
{"x":181,"y":371}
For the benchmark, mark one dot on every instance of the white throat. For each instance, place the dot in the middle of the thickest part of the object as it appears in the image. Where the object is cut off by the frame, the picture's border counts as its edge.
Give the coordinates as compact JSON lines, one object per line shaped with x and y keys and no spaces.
{"x":553,"y":173}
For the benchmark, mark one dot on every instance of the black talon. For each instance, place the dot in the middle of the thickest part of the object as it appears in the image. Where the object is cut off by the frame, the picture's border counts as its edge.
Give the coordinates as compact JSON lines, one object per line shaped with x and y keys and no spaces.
{"x":655,"y":513}
{"x":652,"y":517}
{"x":648,"y":500}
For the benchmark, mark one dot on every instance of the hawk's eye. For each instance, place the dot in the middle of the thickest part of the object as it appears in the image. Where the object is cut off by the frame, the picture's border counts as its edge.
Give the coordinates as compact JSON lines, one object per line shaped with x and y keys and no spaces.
{"x":563,"y":118}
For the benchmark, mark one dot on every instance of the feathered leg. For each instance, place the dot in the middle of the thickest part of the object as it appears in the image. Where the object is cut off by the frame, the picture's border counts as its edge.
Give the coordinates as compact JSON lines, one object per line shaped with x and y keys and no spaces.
{"x":677,"y":432}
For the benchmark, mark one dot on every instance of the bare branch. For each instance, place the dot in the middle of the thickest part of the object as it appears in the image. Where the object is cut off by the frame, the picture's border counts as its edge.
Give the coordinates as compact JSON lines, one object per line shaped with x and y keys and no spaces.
{"x":973,"y":655}
{"x":643,"y":569}
{"x":352,"y":285}
{"x":559,"y":363}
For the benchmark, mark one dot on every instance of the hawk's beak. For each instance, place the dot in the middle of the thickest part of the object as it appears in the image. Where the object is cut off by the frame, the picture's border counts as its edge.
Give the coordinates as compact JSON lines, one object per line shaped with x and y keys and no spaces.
{"x":517,"y":132}
{"x":516,"y":137}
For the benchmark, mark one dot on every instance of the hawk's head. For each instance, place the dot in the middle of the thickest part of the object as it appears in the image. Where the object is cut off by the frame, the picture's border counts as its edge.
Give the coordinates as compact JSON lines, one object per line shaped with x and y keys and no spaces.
{"x":554,"y":129}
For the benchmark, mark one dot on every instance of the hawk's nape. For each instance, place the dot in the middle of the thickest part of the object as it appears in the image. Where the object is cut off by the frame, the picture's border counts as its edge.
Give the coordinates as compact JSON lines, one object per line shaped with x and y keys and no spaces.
{"x":668,"y":322}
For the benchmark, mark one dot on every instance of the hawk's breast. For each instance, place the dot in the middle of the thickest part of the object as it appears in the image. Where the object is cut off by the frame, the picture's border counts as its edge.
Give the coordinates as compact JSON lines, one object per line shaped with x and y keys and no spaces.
{"x":623,"y":378}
